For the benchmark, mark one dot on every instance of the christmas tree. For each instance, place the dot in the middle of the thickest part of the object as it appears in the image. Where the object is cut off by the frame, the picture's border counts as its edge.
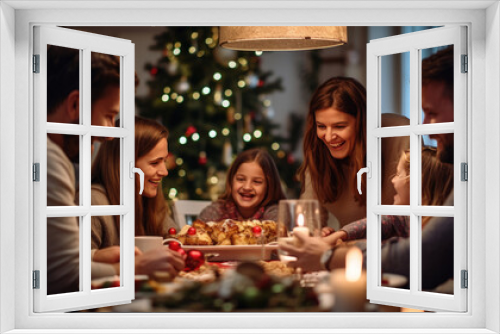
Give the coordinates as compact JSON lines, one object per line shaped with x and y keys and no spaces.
{"x":215,"y":104}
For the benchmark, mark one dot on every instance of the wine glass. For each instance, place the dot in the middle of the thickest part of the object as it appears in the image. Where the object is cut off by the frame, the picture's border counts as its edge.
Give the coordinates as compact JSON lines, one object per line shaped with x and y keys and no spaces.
{"x":296,"y":217}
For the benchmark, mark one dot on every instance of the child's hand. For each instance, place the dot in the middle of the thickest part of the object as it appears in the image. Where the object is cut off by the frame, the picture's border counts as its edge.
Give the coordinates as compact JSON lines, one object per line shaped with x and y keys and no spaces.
{"x":336,"y":238}
{"x":325,"y":231}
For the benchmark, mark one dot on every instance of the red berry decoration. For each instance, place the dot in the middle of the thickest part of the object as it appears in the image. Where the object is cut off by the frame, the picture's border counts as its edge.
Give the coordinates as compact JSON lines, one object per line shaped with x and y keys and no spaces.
{"x":174,"y":245}
{"x":191,"y":231}
{"x":194,"y":260}
{"x":182,"y":252}
{"x":172,"y":231}
{"x":257,"y":230}
{"x":153,"y":71}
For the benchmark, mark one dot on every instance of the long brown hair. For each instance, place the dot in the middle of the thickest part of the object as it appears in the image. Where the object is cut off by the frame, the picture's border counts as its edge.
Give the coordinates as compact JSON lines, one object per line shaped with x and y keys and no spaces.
{"x":149,"y":212}
{"x":328,"y":180}
{"x":274,"y":192}
{"x":437,"y":178}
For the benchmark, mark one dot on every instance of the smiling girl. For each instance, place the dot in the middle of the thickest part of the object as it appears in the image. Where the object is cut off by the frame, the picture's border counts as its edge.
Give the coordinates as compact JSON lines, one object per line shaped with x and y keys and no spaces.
{"x":253,"y":190}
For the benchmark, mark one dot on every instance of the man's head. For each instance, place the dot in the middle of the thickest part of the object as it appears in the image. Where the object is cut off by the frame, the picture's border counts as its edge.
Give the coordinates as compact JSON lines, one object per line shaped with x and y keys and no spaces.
{"x":63,"y":95}
{"x":63,"y":81}
{"x":437,"y":97}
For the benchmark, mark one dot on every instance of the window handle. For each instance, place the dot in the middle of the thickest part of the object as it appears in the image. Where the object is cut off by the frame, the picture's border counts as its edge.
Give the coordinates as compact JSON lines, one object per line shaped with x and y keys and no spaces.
{"x":368,"y":171}
{"x":141,"y":175}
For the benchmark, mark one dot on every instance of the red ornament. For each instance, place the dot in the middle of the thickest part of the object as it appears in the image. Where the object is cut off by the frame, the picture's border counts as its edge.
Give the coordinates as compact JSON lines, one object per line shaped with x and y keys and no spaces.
{"x":194,"y":260}
{"x":202,"y":160}
{"x":257,"y":230}
{"x":172,"y":231}
{"x":182,"y":252}
{"x":191,"y":231}
{"x":153,"y":71}
{"x":290,"y":158}
{"x":190,"y":130}
{"x":261,"y":83}
{"x":174,"y":245}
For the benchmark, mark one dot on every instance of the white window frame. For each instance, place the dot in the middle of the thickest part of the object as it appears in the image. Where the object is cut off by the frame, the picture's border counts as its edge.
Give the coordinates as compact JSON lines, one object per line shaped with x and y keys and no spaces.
{"x":483,"y":20}
{"x":413,"y":43}
{"x":86,"y":43}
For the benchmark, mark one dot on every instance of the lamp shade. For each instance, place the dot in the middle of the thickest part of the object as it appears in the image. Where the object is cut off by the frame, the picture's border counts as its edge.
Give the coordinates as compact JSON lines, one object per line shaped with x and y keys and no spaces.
{"x":281,"y":38}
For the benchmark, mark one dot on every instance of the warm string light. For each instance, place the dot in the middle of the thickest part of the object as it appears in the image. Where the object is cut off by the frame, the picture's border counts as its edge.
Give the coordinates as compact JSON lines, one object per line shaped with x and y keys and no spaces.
{"x":214,"y":180}
{"x":212,"y":133}
{"x":172,"y":193}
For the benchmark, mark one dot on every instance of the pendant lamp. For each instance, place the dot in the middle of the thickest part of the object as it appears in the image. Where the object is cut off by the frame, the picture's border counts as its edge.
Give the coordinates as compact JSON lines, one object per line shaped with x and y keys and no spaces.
{"x":272,"y":38}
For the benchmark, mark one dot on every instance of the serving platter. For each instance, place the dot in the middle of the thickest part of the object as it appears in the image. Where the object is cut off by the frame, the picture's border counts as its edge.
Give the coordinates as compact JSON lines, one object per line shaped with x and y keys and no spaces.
{"x":235,"y":252}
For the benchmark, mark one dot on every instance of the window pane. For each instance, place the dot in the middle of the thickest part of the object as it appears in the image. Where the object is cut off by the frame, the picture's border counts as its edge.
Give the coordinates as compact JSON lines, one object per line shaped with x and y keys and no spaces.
{"x":395,"y":183}
{"x":395,"y":86}
{"x":63,"y":84}
{"x":105,"y":235}
{"x":437,"y":177}
{"x":63,"y":255}
{"x":63,"y":169}
{"x":391,"y":228}
{"x":105,"y":174}
{"x":437,"y":254}
{"x":105,"y":93}
{"x":437,"y":85}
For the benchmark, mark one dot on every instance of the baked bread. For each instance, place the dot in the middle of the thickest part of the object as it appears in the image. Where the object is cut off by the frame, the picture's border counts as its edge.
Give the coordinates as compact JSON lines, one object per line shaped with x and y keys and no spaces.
{"x":228,"y":232}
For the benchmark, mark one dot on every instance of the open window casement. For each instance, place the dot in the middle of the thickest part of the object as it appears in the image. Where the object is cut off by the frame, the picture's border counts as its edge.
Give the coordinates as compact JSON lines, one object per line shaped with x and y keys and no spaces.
{"x":63,"y":266}
{"x":412,"y":48}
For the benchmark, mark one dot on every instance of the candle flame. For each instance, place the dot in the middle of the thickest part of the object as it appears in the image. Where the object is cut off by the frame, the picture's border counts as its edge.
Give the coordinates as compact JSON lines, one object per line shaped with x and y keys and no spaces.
{"x":300,"y":220}
{"x":354,"y":264}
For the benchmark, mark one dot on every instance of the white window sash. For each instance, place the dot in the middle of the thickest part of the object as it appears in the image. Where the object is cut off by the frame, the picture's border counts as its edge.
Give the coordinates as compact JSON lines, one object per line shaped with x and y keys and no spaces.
{"x":85,"y":298}
{"x":412,"y":43}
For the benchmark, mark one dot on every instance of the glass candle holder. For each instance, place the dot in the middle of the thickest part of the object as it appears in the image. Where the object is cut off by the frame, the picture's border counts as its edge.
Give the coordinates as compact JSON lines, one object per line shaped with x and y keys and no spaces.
{"x":297,"y":219}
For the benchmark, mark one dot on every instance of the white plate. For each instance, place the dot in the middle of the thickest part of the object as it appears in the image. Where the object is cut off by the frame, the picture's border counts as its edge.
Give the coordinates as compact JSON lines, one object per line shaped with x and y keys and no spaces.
{"x":394,"y":281}
{"x":235,"y":252}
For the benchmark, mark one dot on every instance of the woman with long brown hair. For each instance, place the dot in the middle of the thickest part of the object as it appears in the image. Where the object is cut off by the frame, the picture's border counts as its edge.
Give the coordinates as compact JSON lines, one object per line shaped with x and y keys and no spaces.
{"x":151,"y":211}
{"x":335,"y":150}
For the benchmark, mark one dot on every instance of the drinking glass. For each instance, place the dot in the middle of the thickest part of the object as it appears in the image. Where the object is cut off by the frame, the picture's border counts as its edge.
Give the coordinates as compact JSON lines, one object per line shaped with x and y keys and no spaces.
{"x":297,"y":217}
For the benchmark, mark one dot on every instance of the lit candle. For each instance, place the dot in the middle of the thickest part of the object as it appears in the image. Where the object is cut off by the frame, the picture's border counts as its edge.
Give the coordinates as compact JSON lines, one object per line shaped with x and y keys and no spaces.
{"x":349,"y":284}
{"x":300,"y":229}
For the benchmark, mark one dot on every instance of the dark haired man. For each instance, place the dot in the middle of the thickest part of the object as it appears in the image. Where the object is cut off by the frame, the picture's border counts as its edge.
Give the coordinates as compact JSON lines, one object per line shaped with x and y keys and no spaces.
{"x":63,"y":106}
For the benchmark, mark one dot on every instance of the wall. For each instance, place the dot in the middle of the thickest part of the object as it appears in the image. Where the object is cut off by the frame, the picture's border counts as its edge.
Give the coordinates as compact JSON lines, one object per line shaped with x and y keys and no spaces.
{"x":7,"y":158}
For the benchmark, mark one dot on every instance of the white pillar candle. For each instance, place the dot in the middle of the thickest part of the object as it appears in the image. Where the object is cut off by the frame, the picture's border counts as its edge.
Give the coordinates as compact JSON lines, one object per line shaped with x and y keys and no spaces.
{"x":300,"y":229}
{"x":349,"y":284}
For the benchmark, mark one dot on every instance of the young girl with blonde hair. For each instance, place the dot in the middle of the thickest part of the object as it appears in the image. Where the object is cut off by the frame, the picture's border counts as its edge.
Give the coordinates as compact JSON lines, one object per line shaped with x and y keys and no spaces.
{"x":437,"y":184}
